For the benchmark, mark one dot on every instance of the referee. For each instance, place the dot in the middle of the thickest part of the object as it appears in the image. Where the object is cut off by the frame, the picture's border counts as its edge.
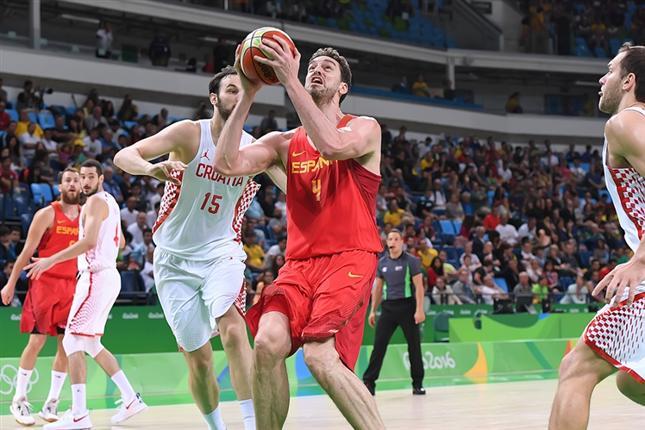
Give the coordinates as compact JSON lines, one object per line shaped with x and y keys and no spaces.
{"x":402,"y":306}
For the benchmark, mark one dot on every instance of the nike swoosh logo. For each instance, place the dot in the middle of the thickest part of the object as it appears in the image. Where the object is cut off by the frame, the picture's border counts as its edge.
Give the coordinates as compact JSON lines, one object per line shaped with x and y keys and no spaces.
{"x":297,"y":154}
{"x":351,"y":275}
{"x":79,"y":419}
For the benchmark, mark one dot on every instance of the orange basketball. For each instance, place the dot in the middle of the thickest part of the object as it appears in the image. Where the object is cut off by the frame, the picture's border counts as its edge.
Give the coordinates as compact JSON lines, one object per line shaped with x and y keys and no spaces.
{"x":251,"y":46}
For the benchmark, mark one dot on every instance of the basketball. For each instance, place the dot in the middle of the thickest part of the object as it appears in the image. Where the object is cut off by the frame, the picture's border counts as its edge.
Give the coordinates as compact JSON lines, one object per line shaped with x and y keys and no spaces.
{"x":252,"y":69}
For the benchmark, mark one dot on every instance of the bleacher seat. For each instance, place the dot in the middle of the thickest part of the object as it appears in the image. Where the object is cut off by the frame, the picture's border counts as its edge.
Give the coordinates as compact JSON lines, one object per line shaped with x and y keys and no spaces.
{"x":42,"y":194}
{"x":565,"y":281}
{"x":46,"y":119}
{"x":501,"y":283}
{"x":585,"y":258}
{"x":13,"y":114}
{"x":447,"y":227}
{"x":33,"y":117}
{"x":582,"y":49}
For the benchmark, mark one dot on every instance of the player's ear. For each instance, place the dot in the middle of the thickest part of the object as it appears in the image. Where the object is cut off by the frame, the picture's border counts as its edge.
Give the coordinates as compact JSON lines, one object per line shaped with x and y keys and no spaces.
{"x":213,"y":98}
{"x":343,"y":88}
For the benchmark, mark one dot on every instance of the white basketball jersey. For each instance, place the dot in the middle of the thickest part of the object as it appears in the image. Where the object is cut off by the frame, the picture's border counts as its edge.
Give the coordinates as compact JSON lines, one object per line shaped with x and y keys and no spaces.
{"x":627,"y":189}
{"x":104,"y":254}
{"x":201,"y":218}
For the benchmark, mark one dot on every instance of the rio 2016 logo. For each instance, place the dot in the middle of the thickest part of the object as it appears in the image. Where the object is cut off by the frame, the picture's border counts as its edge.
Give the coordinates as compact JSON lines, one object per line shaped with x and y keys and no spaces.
{"x":9,"y":376}
{"x":430,"y":361}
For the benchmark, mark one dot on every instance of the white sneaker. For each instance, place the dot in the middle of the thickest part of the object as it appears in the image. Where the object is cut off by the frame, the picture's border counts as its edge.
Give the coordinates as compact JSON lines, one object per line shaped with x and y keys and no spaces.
{"x":70,"y":422}
{"x":21,"y":411}
{"x":125,"y":412}
{"x":49,"y":412}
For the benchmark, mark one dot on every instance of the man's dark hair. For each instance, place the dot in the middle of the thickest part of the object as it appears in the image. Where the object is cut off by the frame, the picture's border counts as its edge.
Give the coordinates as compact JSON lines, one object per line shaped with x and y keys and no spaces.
{"x":67,"y":169}
{"x":345,"y":71}
{"x":634,"y":62}
{"x":95,"y":164}
{"x":213,"y":85}
{"x":397,"y":231}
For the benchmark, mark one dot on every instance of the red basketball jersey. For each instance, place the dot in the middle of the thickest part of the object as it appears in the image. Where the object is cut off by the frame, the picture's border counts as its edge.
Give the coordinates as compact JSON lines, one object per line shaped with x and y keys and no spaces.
{"x":62,"y":234}
{"x":331,"y":205}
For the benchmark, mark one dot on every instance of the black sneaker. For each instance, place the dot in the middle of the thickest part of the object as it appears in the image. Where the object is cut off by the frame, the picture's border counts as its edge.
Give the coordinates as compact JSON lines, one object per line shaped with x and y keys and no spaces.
{"x":419,"y":391}
{"x":371,"y":387}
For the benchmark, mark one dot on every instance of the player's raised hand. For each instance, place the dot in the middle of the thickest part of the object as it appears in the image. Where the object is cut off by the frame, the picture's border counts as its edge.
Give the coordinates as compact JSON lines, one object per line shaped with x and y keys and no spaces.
{"x":284,"y":61}
{"x":248,"y":86}
{"x":624,"y":276}
{"x":7,"y":294}
{"x":167,"y":171}
{"x":38,"y":267}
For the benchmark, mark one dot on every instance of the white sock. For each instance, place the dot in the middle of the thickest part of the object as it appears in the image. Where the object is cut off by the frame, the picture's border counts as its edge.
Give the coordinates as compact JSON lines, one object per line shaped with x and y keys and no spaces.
{"x":214,"y":420}
{"x":248,"y":414}
{"x":58,"y":379}
{"x":127,"y":392}
{"x":22,"y":380}
{"x":79,"y":405}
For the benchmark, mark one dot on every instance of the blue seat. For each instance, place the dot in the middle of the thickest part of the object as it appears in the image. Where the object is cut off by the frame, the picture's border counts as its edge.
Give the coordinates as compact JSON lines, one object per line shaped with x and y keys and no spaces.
{"x":55,"y":192}
{"x":25,"y":221}
{"x":582,"y":49}
{"x":46,"y":119}
{"x":565,"y":281}
{"x":451,"y":252}
{"x":42,"y":194}
{"x":131,"y":282}
{"x":501,"y":283}
{"x":129,"y":124}
{"x":33,"y":117}
{"x":490,"y":194}
{"x":447,"y":227}
{"x":13,"y":114}
{"x":457,"y":225}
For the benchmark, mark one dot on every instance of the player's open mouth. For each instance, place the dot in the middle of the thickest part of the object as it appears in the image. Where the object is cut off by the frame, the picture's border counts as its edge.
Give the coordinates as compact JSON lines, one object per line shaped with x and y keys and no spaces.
{"x":316,"y":80}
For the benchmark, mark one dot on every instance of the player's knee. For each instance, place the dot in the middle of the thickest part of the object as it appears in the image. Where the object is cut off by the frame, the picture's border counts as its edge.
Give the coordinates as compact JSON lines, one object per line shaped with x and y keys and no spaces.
{"x":73,"y":343}
{"x":269,"y":347}
{"x":630,"y":388}
{"x":36,"y":342}
{"x":233,"y":334}
{"x":318,"y":358}
{"x":199,"y":363}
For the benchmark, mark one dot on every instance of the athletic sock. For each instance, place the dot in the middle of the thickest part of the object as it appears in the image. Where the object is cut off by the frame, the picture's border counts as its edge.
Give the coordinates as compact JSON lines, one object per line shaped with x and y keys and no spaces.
{"x":248,"y":414}
{"x":214,"y":420}
{"x":58,"y":379}
{"x":121,"y":381}
{"x":79,"y":405}
{"x":22,"y":381}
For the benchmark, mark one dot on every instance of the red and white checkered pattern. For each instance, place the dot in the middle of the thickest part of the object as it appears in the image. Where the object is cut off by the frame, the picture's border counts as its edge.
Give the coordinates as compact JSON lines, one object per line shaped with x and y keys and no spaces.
{"x":617,"y":333}
{"x":631,"y":190}
{"x":240,"y":301}
{"x":169,"y":199}
{"x":242,"y":206}
{"x":94,"y":297}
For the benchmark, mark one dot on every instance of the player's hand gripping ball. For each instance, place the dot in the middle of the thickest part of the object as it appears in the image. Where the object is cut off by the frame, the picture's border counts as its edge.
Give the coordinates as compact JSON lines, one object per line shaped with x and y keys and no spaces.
{"x":252,"y":46}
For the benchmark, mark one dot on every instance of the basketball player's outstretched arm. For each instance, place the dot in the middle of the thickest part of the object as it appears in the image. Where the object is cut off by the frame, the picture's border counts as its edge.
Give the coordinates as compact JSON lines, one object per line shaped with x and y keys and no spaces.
{"x":96,"y":210}
{"x":626,"y":136}
{"x":170,"y":140}
{"x":42,"y":220}
{"x":230,"y":159}
{"x":361,"y":137}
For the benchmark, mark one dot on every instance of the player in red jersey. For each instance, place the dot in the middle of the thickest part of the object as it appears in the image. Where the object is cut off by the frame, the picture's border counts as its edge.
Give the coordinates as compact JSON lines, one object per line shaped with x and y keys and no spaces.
{"x":49,"y":298}
{"x":321,"y":295}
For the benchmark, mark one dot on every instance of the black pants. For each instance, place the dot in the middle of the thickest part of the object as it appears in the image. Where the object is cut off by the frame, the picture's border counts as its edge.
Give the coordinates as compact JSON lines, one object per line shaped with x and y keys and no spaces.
{"x":396,"y":313}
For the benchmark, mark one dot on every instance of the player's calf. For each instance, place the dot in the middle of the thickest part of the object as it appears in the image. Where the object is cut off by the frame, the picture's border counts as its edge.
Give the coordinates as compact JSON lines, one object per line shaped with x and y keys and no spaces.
{"x":631,"y":388}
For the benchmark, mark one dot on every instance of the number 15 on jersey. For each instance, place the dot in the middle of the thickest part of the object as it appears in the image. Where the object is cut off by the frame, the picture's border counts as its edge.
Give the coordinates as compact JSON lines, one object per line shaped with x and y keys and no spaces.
{"x":211,"y":202}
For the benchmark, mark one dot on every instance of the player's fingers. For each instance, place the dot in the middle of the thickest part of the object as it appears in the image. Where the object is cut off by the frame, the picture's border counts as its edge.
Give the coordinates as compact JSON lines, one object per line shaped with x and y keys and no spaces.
{"x":283,"y":43}
{"x":620,"y":290}
{"x":265,"y":61}
{"x":632,"y":292}
{"x":274,"y":44}
{"x":601,"y":286}
{"x":611,"y":288}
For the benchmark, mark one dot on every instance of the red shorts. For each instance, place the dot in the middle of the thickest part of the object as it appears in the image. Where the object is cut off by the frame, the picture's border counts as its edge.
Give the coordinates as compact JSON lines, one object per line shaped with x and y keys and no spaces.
{"x":323,"y":297}
{"x":47,"y":305}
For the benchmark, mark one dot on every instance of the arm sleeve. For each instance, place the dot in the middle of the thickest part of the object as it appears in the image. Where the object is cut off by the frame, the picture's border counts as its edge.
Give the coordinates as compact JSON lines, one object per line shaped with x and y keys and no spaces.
{"x":415,"y":266}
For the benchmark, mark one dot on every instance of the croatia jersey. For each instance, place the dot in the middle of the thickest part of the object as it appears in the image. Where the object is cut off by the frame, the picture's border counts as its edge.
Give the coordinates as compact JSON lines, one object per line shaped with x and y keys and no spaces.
{"x":201,"y":218}
{"x":103,"y":255}
{"x":627,"y":189}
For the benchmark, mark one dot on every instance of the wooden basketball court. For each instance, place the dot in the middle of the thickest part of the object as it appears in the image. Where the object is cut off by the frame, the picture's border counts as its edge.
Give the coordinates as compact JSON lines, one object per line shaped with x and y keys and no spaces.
{"x":503,"y":406}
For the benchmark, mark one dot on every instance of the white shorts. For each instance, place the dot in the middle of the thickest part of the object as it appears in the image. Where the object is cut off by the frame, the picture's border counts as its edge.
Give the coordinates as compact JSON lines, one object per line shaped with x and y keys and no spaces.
{"x":194,"y":293}
{"x":94,"y":296}
{"x":617,"y":334}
